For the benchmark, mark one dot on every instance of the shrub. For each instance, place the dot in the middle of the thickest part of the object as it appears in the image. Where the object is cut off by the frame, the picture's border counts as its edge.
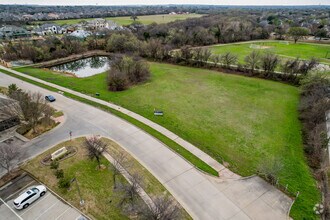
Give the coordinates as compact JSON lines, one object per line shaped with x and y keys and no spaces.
{"x":127,"y":71}
{"x":54,"y":165}
{"x":117,"y":81}
{"x":270,"y":169}
{"x":64,"y":183}
{"x":59,"y":174}
{"x":269,"y":62}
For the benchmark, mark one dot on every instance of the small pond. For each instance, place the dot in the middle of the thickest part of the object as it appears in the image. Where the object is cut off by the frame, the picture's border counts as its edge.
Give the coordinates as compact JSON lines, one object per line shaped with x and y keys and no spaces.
{"x":85,"y":67}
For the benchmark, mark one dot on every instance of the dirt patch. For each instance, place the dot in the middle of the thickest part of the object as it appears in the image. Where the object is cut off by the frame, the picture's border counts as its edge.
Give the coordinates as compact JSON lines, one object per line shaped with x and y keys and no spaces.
{"x":260,"y":47}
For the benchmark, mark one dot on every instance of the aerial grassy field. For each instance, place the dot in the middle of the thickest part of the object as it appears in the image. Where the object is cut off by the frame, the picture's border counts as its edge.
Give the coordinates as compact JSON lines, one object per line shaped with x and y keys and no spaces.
{"x":238,"y":120}
{"x":301,"y":50}
{"x":146,"y":19}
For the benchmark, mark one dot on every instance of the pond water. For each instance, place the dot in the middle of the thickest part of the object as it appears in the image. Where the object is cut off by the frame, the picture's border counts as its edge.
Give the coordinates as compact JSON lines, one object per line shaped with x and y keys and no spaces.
{"x":85,"y":67}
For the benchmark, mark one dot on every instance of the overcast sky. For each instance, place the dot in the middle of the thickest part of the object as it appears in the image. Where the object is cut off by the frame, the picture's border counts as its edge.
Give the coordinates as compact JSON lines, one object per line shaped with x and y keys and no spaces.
{"x":152,"y":2}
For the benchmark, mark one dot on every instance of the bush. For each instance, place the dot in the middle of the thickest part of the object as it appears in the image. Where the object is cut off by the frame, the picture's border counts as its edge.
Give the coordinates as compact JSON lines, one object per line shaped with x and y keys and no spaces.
{"x":59,"y":174}
{"x":54,"y":165}
{"x":270,"y":169}
{"x":117,"y":81}
{"x":64,"y":183}
{"x":127,"y":71}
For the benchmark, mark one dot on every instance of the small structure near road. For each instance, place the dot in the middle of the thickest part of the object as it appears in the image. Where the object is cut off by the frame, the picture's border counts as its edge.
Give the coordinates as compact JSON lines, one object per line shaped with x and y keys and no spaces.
{"x":60,"y":152}
{"x":158,"y":112}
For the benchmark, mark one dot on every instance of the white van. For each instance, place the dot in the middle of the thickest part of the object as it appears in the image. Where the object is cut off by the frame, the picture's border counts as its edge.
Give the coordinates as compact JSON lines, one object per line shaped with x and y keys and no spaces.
{"x":26,"y":198}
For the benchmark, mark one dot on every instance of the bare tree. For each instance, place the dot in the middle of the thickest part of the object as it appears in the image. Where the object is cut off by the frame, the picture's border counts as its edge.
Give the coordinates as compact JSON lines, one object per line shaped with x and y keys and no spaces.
{"x":215,"y":59}
{"x":95,"y":147}
{"x":130,"y":191}
{"x":29,"y":107}
{"x":37,"y":107}
{"x":269,"y":63}
{"x":118,"y":164}
{"x":252,"y":60}
{"x":228,"y":59}
{"x":48,"y":112}
{"x":165,"y":208}
{"x":308,"y":65}
{"x":9,"y":156}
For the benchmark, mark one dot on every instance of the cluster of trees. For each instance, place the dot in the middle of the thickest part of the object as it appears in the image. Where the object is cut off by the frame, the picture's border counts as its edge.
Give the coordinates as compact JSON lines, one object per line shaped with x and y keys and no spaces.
{"x":205,"y":30}
{"x":126,"y":71}
{"x":161,"y":208}
{"x":30,"y":108}
{"x":256,"y":63}
{"x":314,"y":107}
{"x":42,"y":50}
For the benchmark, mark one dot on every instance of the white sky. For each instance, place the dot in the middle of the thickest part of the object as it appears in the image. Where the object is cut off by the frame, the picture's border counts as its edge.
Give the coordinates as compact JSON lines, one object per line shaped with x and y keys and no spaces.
{"x":153,"y":2}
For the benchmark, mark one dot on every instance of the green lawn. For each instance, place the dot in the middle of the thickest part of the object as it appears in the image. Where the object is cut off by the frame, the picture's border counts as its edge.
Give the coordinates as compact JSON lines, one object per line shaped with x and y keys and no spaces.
{"x":301,"y":50}
{"x":236,"y":119}
{"x":146,"y":19}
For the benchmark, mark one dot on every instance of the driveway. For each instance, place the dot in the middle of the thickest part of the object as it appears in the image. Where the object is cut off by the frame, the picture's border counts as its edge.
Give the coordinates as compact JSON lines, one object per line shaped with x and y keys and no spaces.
{"x":46,"y":207}
{"x":200,"y":196}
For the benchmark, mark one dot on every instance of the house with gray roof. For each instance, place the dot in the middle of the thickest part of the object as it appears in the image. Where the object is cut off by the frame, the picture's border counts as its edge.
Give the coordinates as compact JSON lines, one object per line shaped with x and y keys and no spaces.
{"x":47,"y":29}
{"x":11,"y":31}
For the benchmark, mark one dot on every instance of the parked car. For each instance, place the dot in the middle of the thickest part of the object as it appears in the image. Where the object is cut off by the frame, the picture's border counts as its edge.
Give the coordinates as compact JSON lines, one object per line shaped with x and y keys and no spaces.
{"x":28,"y":197}
{"x":50,"y":98}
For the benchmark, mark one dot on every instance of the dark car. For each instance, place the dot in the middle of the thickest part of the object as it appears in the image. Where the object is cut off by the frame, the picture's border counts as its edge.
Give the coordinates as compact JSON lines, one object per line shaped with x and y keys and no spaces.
{"x":50,"y":98}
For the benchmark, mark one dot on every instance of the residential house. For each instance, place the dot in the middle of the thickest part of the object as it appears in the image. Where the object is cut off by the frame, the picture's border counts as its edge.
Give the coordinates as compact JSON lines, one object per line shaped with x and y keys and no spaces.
{"x":80,"y":34}
{"x":97,"y":23}
{"x":11,"y":31}
{"x":47,"y":29}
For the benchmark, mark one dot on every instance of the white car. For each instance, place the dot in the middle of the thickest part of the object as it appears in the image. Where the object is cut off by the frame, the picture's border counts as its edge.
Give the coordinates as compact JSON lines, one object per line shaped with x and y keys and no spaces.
{"x":28,"y":197}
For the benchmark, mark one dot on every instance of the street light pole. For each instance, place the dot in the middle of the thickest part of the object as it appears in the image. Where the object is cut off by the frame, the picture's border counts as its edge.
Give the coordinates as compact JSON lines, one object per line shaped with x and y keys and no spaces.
{"x":82,"y":202}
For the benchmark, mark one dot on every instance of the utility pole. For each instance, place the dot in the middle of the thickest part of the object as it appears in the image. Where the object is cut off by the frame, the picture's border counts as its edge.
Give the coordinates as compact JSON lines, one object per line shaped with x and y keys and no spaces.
{"x":82,"y":202}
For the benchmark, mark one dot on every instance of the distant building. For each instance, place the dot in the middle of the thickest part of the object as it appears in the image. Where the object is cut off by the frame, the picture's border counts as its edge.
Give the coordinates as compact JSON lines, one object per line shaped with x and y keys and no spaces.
{"x":47,"y":29}
{"x":80,"y":34}
{"x":97,"y":23}
{"x":111,"y":25}
{"x":11,"y":31}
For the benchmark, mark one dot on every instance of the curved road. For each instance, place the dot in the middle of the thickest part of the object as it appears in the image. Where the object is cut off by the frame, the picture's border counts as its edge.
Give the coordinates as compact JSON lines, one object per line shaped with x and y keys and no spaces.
{"x":202,"y":196}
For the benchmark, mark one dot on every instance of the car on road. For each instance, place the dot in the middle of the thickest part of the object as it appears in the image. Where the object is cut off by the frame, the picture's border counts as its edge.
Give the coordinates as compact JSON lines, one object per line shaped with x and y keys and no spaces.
{"x":50,"y":98}
{"x":29,"y":196}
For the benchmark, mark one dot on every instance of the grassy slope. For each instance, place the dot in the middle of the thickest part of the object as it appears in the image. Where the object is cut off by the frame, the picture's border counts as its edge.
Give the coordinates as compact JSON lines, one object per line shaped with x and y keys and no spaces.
{"x":233,"y":118}
{"x":302,"y":50}
{"x":147,"y":19}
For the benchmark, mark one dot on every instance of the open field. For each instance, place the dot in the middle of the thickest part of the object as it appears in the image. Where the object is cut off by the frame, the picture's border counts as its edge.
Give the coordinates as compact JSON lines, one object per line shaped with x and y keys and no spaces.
{"x":238,"y":120}
{"x":96,"y":185}
{"x":301,"y":50}
{"x":146,"y":19}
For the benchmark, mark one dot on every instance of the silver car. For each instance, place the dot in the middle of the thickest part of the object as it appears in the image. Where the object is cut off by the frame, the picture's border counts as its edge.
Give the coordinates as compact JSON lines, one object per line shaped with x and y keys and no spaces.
{"x":28,"y":197}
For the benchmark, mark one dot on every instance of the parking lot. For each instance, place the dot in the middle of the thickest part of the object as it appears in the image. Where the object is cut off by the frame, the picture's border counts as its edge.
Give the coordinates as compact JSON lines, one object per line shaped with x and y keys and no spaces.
{"x":47,"y":207}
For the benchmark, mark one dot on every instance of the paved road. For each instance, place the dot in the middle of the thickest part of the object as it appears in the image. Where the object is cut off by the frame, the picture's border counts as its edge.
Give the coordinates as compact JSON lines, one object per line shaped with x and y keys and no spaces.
{"x":202,"y":197}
